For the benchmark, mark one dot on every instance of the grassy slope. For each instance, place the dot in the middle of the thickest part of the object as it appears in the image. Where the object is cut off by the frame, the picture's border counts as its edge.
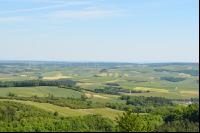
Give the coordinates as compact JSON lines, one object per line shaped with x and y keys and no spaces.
{"x":61,"y":92}
{"x":176,"y":95}
{"x":40,"y":91}
{"x":65,"y":111}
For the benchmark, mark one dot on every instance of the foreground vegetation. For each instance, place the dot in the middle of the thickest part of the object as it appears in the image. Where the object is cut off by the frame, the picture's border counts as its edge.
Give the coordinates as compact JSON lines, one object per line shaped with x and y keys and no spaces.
{"x":19,"y":117}
{"x":16,"y":116}
{"x":180,"y":120}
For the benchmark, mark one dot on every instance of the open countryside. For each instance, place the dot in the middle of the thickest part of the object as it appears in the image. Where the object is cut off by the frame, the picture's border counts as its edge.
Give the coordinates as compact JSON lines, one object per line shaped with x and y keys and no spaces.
{"x":99,"y":66}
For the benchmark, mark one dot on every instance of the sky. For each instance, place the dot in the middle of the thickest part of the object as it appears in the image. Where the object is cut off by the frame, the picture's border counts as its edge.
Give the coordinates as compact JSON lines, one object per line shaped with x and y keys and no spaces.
{"x":100,"y":30}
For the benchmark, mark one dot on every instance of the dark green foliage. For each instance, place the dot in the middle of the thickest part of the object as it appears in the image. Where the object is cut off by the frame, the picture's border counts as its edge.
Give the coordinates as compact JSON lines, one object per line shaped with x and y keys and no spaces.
{"x":109,"y":90}
{"x":119,"y":106}
{"x":20,"y":118}
{"x":141,"y":104}
{"x":132,"y":122}
{"x":173,"y":79}
{"x":182,"y":120}
{"x":31,"y":83}
{"x":195,"y":100}
{"x":179,"y":126}
{"x":10,"y":94}
{"x":190,"y":113}
{"x":103,"y":71}
{"x":112,"y":84}
{"x":76,"y":88}
{"x":56,"y":113}
{"x":63,"y":102}
{"x":146,"y":101}
{"x":163,"y":117}
{"x":179,"y":118}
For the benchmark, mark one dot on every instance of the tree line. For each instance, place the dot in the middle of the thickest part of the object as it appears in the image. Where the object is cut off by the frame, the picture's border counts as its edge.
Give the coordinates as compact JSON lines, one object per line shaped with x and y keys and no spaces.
{"x":31,"y":83}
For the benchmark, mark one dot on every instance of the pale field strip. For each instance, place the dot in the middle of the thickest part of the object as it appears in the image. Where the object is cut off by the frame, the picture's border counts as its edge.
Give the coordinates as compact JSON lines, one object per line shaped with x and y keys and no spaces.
{"x":91,"y":95}
{"x":56,"y":77}
{"x":151,"y":89}
{"x":190,"y":92}
{"x":3,"y":78}
{"x":23,"y":75}
{"x":85,"y":84}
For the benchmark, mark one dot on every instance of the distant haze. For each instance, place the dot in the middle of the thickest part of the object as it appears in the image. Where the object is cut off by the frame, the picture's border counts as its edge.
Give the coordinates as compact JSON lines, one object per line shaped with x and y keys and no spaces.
{"x":100,"y":30}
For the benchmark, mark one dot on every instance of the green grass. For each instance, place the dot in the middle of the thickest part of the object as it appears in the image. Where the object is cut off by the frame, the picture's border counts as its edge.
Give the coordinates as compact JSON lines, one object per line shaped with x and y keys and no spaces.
{"x":40,"y":91}
{"x":171,"y":95}
{"x":65,"y":111}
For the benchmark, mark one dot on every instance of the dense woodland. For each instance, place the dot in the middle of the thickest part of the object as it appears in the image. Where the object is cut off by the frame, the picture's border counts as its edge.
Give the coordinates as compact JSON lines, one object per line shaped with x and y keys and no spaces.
{"x":146,"y":101}
{"x":182,"y":119}
{"x":19,"y":117}
{"x":31,"y":83}
{"x":172,"y":79}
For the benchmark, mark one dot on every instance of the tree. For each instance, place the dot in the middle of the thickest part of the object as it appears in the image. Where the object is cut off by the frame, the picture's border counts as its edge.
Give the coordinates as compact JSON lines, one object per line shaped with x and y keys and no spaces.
{"x":50,"y":96}
{"x":132,"y":122}
{"x":179,"y":126}
{"x":10,"y":94}
{"x":192,"y":113}
{"x":56,"y":113}
{"x":35,"y":97}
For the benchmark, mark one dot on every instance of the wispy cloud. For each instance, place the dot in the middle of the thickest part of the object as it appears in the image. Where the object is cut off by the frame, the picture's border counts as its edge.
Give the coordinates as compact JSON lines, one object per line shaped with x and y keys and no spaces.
{"x":60,"y":9}
{"x":85,"y":13}
{"x":51,"y":5}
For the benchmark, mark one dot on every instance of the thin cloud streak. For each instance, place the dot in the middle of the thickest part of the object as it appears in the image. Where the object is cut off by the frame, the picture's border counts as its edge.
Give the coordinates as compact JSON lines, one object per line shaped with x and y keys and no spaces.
{"x":56,"y":10}
{"x":85,"y":14}
{"x":58,"y":5}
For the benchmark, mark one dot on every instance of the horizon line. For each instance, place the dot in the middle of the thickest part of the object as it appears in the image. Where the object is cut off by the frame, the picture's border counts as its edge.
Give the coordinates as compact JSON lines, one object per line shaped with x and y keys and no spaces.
{"x":124,"y":62}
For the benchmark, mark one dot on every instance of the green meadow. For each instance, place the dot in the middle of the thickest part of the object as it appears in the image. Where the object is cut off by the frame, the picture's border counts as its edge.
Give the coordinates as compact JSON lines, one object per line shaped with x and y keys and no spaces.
{"x":40,"y":91}
{"x":65,"y":111}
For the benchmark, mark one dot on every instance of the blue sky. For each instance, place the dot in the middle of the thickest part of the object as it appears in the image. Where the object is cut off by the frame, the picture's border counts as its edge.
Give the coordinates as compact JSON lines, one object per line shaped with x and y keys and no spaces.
{"x":100,"y":30}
